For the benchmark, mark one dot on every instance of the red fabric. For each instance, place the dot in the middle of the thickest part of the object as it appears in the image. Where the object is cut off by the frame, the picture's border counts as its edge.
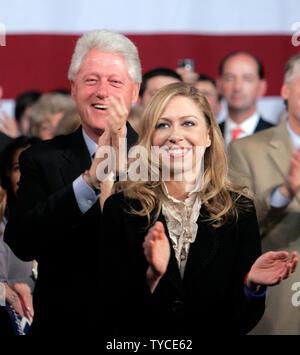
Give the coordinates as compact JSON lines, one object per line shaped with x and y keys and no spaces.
{"x":235,"y":133}
{"x":41,"y":61}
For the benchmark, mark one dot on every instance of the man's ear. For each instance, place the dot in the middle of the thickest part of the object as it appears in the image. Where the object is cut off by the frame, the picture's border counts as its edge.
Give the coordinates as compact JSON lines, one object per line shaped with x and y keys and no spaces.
{"x":285,"y":90}
{"x":263,"y":88}
{"x":136,"y":90}
{"x":73,"y":89}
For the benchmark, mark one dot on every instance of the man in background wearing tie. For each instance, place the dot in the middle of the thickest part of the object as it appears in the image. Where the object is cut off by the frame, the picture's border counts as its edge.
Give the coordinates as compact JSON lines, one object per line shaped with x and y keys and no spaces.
{"x":241,"y":82}
{"x":268,"y":162}
{"x":58,"y":213}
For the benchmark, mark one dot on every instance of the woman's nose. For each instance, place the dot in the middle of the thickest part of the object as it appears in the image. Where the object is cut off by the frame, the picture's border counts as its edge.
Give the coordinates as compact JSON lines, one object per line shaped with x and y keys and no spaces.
{"x":175,"y":136}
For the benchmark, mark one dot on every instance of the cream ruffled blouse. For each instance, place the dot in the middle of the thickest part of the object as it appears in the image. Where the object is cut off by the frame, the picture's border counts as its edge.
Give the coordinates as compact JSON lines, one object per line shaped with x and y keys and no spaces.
{"x":181,"y":218}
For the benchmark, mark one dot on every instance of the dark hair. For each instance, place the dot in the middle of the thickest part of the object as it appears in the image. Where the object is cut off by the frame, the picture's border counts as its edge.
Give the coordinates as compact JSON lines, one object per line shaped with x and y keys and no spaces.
{"x":7,"y":159}
{"x":204,"y":78}
{"x":157,"y":72}
{"x":24,"y":100}
{"x":260,"y":68}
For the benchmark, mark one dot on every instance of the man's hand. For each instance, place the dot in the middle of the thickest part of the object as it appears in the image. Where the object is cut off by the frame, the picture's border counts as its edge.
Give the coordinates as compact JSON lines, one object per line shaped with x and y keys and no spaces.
{"x":187,"y":76}
{"x":292,"y":183}
{"x":157,"y":252}
{"x":24,"y":291}
{"x":111,"y":144}
{"x":12,"y":298}
{"x":117,"y":127}
{"x":8,"y":125}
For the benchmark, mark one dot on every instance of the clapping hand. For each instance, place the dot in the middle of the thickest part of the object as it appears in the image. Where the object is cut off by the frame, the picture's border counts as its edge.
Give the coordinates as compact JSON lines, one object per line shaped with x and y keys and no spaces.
{"x":292,"y":182}
{"x":157,"y":252}
{"x":271,"y":268}
{"x":111,"y":143}
{"x":8,"y":125}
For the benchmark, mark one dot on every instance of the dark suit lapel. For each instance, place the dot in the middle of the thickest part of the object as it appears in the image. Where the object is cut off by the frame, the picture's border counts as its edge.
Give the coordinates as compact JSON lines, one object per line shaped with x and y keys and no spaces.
{"x":173,"y":273}
{"x":132,"y":136}
{"x":75,"y":157}
{"x":280,"y":148}
{"x":222,"y":127}
{"x":204,"y":248}
{"x":262,"y":124}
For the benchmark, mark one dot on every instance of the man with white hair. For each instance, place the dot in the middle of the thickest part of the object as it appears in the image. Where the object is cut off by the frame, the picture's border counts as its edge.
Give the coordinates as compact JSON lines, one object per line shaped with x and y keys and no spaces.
{"x":268,"y":162}
{"x":58,"y":211}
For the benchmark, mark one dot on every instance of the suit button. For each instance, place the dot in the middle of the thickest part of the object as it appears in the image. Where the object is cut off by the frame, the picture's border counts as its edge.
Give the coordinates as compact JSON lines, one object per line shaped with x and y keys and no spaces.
{"x":177,"y":306}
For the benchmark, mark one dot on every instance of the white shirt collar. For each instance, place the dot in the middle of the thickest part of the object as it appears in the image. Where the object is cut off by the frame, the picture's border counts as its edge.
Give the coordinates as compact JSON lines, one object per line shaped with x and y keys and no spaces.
{"x":294,"y":137}
{"x":91,"y":145}
{"x":248,"y":127}
{"x":191,"y":195}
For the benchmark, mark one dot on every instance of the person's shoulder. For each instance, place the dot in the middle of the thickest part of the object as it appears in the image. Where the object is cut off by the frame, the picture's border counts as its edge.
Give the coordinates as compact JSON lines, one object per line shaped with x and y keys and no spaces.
{"x":244,"y":204}
{"x":54,"y":146}
{"x":116,"y":198}
{"x":118,"y":201}
{"x":265,"y":124}
{"x":258,"y":138}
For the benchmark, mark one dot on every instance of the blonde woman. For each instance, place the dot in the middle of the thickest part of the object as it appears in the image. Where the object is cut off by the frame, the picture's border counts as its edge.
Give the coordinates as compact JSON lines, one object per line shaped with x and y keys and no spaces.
{"x":182,"y":256}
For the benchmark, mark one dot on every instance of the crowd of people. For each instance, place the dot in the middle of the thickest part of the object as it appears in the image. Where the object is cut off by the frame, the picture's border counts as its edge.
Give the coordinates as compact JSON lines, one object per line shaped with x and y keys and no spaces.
{"x":129,"y":249}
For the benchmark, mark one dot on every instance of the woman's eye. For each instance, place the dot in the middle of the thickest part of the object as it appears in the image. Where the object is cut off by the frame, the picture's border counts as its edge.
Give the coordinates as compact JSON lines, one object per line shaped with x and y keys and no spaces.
{"x":189,"y":123}
{"x":162,"y":125}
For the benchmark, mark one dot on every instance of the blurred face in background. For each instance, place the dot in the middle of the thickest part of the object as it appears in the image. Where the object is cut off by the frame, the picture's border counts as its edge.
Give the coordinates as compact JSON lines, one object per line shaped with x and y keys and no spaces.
{"x":15,"y":170}
{"x":290,"y":91}
{"x":47,"y":128}
{"x":153,"y":85}
{"x":211,"y":93}
{"x":240,"y":84}
{"x":25,"y":121}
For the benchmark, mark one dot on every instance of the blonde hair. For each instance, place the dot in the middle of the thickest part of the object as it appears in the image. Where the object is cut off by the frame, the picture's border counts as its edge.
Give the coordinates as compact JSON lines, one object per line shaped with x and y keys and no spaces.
{"x":217,"y":194}
{"x":47,"y":105}
{"x":68,"y":123}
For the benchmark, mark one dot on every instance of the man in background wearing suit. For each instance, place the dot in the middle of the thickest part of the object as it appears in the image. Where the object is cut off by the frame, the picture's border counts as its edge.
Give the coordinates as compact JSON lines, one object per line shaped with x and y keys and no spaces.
{"x":241,"y":82}
{"x":58,"y":211}
{"x":268,"y":163}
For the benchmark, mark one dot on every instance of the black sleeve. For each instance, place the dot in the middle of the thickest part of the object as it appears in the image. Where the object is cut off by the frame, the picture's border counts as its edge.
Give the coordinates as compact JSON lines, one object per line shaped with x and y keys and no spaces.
{"x":39,"y":213}
{"x":248,"y":310}
{"x":123,"y":270}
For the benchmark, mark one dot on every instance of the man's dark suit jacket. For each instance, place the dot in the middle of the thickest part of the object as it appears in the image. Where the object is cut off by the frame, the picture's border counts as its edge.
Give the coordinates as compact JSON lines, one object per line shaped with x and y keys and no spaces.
{"x":209,"y":299}
{"x":48,"y":226}
{"x":262,"y":124}
{"x":4,"y":140}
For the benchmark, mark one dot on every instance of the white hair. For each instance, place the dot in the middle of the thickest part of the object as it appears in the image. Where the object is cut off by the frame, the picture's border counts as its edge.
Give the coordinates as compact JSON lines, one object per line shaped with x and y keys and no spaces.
{"x":107,"y":41}
{"x":291,"y":68}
